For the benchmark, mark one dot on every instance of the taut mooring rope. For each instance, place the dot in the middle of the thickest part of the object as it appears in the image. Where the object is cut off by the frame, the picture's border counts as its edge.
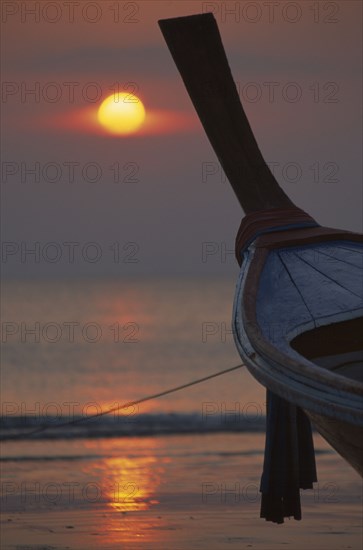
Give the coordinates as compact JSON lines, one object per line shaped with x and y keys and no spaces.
{"x":130,"y":403}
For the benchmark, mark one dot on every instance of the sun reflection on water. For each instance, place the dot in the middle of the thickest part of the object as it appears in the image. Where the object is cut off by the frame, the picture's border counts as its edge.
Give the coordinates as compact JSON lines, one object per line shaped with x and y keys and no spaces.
{"x":133,"y":482}
{"x":130,"y":475}
{"x":129,"y":478}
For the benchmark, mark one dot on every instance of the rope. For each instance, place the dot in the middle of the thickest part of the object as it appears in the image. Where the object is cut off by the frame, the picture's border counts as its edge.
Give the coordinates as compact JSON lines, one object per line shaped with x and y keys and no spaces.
{"x":131,"y":403}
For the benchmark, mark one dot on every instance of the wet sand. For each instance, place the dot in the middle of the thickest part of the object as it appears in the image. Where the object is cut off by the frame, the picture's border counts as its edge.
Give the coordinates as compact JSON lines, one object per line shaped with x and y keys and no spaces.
{"x":178,"y":492}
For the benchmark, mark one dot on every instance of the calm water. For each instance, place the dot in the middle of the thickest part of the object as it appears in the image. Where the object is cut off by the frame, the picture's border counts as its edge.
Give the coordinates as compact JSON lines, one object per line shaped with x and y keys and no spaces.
{"x":71,"y":349}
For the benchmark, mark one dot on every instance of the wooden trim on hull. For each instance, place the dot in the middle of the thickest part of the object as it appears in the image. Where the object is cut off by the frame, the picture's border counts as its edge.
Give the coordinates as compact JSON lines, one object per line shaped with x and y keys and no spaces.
{"x":305,"y":236}
{"x":260,"y":228}
{"x":304,"y":391}
{"x":252,"y":328}
{"x":332,"y":402}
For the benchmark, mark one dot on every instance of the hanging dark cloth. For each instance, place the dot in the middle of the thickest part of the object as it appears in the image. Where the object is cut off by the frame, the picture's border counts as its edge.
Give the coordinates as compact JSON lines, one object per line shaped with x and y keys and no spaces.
{"x":289,"y":463}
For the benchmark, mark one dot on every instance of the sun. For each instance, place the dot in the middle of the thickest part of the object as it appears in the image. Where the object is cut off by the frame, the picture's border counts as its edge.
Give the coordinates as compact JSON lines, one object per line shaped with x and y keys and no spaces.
{"x":121,"y":113}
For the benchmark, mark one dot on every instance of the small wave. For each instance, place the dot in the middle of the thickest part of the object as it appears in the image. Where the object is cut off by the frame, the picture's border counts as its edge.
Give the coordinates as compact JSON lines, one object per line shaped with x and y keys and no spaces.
{"x":22,"y":427}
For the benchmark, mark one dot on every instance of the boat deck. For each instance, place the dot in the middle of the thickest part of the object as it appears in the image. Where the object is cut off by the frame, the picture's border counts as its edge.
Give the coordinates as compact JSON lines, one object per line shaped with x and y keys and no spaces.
{"x":325,"y":284}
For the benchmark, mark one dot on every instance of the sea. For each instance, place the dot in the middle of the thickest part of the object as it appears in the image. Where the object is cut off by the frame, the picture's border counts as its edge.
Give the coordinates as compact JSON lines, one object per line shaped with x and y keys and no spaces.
{"x":73,"y":350}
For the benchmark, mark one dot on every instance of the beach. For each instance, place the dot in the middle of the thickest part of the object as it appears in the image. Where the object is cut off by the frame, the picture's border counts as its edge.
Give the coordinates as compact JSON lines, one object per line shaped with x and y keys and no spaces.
{"x":175,"y":492}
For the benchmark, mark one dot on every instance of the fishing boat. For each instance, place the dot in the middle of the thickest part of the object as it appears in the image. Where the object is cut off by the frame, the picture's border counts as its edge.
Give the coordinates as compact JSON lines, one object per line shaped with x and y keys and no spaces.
{"x":298,"y":309}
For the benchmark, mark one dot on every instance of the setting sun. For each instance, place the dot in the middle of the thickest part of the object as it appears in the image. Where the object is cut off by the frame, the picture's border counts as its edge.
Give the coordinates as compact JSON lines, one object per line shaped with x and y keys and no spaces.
{"x":121,"y":113}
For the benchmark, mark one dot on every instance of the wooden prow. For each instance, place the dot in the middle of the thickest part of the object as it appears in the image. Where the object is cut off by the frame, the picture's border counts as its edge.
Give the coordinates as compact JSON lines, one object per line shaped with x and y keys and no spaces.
{"x":196,"y":47}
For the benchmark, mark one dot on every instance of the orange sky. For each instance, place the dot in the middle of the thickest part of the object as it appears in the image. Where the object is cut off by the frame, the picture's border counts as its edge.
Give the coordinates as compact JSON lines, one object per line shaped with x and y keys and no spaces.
{"x":319,"y":54}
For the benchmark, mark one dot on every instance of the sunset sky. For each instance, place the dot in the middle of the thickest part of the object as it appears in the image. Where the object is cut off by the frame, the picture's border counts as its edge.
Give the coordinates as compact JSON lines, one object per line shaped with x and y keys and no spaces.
{"x":158,"y":196}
